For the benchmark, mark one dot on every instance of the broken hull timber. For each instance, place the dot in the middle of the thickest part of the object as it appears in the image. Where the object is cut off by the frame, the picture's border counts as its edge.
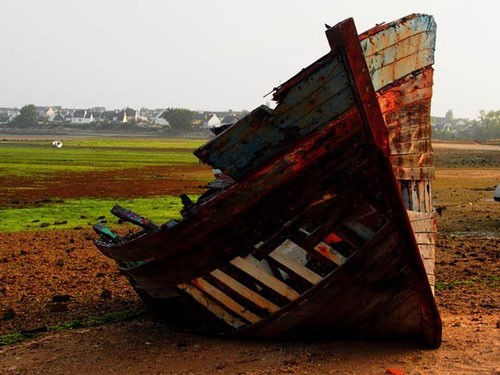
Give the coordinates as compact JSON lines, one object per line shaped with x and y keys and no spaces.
{"x":313,"y":239}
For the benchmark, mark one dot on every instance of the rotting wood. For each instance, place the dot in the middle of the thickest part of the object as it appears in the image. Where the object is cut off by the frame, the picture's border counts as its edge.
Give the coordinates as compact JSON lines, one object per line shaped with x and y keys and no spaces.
{"x":219,"y":312}
{"x":225,"y":300}
{"x":243,"y":291}
{"x":264,"y":278}
{"x":330,"y":253}
{"x":290,"y":265}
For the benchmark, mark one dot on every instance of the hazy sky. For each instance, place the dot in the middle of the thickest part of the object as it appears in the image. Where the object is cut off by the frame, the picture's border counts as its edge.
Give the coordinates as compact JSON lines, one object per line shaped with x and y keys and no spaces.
{"x":218,"y":55}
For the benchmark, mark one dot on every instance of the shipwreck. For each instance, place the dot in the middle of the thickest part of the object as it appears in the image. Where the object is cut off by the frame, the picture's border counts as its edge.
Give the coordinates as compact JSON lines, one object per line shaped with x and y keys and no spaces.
{"x":320,"y":219}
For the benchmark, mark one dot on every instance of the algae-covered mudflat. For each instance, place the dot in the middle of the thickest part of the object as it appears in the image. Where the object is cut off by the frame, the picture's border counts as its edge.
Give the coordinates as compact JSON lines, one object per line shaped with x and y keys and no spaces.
{"x":44,"y":188}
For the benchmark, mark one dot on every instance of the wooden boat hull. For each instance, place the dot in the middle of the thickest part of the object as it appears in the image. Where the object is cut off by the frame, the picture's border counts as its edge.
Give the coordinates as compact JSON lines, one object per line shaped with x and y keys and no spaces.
{"x":313,"y":238}
{"x":399,"y":56}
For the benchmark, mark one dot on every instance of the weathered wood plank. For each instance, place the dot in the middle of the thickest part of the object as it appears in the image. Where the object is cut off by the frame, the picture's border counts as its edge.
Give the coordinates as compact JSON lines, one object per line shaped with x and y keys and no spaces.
{"x":410,"y":90}
{"x":412,"y":147}
{"x":290,"y":265}
{"x":211,"y":306}
{"x":266,"y":279}
{"x":359,"y":228}
{"x":380,"y":37}
{"x":392,"y":102}
{"x":329,"y":253}
{"x":225,"y":300}
{"x":429,"y":265}
{"x":414,"y":173}
{"x":243,"y":291}
{"x":423,"y":226}
{"x":432,"y":279}
{"x":410,"y":133}
{"x":412,"y":160}
{"x":416,"y":215}
{"x":389,"y":74}
{"x":428,"y":251}
{"x":332,"y":73}
{"x":422,"y":194}
{"x":396,"y":52}
{"x":425,"y":238}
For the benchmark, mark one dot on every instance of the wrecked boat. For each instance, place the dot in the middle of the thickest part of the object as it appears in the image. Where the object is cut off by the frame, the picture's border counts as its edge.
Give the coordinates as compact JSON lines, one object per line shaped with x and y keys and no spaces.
{"x":320,"y":219}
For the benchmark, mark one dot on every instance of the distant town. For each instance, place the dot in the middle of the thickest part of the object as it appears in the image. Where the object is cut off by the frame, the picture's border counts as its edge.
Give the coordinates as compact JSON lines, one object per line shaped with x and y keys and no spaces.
{"x":166,"y":119}
{"x":486,"y":126}
{"x":179,"y":120}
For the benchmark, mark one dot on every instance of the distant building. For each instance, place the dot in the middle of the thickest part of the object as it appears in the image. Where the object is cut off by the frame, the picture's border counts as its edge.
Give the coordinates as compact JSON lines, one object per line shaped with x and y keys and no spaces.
{"x":160,"y":120}
{"x":121,"y":116}
{"x":46,"y":112}
{"x":206,"y":120}
{"x":132,"y":115}
{"x":114,"y":116}
{"x":8,"y":114}
{"x":81,"y":116}
{"x":4,"y":118}
{"x":58,"y":118}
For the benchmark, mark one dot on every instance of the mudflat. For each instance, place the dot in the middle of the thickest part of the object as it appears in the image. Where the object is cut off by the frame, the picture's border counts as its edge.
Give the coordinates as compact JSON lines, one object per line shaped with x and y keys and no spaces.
{"x":101,"y":326}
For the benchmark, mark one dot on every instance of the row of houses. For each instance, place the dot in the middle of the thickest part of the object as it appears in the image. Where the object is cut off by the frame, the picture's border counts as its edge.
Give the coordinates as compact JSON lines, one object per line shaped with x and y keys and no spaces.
{"x":153,"y":117}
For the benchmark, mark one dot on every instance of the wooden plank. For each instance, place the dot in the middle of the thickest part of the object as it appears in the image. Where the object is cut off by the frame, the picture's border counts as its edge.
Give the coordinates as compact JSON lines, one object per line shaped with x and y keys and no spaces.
{"x":409,"y":133}
{"x":410,"y":90}
{"x":428,"y":187}
{"x":417,"y":216}
{"x":409,"y":124}
{"x":243,"y":291}
{"x":266,"y":279}
{"x":426,"y":238}
{"x":422,"y":195}
{"x":359,"y":228}
{"x":290,"y":265}
{"x":424,"y":226}
{"x":393,"y":102}
{"x":412,"y":160}
{"x":225,"y":300}
{"x":432,"y":279}
{"x":329,"y":253}
{"x":428,"y":251}
{"x":429,"y":265}
{"x":388,"y":74}
{"x":331,"y":74}
{"x":380,"y":37}
{"x":414,"y":173}
{"x":404,"y":48}
{"x":411,"y":114}
{"x":211,"y":306}
{"x":411,"y":147}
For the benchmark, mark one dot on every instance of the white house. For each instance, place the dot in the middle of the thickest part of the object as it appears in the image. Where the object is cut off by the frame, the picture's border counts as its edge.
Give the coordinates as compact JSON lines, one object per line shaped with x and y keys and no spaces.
{"x":81,"y":116}
{"x":161,"y":120}
{"x":212,"y":122}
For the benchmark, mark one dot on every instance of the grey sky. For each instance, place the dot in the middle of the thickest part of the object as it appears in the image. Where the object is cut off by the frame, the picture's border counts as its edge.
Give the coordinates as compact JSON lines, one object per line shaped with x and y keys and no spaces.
{"x":219,"y":54}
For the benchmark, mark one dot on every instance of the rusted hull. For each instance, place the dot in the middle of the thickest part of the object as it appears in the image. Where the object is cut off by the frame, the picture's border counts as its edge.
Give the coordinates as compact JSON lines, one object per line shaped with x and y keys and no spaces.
{"x":313,"y":238}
